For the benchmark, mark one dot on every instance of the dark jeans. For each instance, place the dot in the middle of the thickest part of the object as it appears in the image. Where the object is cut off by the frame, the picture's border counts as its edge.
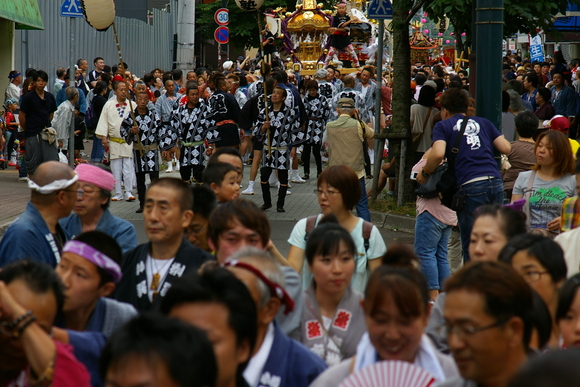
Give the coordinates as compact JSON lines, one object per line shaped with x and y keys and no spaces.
{"x":265,"y":173}
{"x":476,"y":194}
{"x":367,"y":158}
{"x":141,"y":188}
{"x":98,"y":150}
{"x":315,"y":148}
{"x":362,"y":207}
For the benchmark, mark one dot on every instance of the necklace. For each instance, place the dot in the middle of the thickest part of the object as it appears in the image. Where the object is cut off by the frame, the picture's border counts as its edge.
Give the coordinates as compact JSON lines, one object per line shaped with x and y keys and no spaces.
{"x":156,"y":278}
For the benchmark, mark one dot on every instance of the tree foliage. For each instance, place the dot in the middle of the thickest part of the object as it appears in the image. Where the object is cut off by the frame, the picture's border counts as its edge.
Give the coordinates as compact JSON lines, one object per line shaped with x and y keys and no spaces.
{"x":523,"y":16}
{"x":243,"y":25}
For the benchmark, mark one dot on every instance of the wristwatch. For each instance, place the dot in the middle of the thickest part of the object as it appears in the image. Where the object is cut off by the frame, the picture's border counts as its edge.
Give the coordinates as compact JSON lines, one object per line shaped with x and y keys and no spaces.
{"x":425,"y":174}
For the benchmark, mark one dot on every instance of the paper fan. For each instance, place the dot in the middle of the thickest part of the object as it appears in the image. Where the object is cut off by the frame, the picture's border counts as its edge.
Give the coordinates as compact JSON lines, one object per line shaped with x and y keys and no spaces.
{"x":390,"y":374}
{"x":100,"y":14}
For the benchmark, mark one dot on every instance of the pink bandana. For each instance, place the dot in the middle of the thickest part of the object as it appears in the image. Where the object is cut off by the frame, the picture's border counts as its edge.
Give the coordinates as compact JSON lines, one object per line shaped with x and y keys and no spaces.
{"x":95,"y":175}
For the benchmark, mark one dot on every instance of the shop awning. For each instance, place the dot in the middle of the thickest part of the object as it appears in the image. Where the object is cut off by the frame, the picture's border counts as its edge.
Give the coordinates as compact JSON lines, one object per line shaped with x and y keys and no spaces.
{"x":25,"y":13}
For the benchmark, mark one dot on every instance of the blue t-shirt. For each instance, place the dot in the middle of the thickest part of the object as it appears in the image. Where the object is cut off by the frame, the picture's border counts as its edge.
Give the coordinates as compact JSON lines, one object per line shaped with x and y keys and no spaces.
{"x":475,"y":157}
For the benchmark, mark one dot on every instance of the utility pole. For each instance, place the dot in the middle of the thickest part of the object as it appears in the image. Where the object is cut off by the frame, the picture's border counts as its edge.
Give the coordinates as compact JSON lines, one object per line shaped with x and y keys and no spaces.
{"x":488,"y":46}
{"x":185,"y":34}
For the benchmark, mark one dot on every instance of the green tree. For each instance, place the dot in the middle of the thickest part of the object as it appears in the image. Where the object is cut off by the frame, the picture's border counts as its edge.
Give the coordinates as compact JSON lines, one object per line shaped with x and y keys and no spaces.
{"x":243,"y":25}
{"x":523,"y":16}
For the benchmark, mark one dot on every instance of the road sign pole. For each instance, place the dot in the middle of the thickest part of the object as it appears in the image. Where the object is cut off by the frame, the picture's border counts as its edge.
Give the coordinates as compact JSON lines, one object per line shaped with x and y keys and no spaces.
{"x":72,"y":72}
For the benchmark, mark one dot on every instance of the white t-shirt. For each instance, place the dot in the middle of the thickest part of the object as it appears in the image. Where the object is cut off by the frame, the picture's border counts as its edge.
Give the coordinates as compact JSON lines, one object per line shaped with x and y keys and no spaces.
{"x":376,"y":250}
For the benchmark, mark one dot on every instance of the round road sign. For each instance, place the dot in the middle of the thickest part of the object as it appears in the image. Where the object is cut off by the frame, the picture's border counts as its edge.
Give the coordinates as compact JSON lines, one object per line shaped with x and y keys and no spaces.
{"x":222,"y":35}
{"x":222,"y":16}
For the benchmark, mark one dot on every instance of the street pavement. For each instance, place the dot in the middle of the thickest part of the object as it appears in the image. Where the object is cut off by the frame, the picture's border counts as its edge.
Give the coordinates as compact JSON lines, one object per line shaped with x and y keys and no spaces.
{"x":301,"y":203}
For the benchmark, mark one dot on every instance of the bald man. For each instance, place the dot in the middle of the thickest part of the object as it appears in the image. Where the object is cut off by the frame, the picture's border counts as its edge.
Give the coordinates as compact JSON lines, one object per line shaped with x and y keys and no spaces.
{"x":36,"y":233}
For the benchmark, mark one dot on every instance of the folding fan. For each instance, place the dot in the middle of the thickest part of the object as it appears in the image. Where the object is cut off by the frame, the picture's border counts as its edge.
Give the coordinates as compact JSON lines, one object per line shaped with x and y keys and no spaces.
{"x":100,"y":14}
{"x":390,"y":374}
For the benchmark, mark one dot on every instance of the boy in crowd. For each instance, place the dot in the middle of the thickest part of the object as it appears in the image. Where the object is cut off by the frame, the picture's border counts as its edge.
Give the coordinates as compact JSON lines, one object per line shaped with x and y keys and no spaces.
{"x":222,"y":178}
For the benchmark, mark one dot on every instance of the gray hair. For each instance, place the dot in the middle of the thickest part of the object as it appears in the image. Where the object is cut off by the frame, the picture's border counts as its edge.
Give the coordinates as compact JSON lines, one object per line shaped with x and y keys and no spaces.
{"x":515,"y":101}
{"x":71,"y":93}
{"x":264,"y":262}
{"x":346,"y":111}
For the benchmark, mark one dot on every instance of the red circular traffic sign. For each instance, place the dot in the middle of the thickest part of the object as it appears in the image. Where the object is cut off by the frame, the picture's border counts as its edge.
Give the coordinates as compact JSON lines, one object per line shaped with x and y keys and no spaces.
{"x":222,"y":16}
{"x":222,"y":35}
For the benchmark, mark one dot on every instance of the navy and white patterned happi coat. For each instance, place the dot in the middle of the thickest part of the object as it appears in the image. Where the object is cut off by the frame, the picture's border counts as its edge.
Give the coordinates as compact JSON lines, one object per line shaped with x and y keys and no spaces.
{"x":317,"y":114}
{"x":151,"y":131}
{"x":192,"y":125}
{"x":284,"y":133}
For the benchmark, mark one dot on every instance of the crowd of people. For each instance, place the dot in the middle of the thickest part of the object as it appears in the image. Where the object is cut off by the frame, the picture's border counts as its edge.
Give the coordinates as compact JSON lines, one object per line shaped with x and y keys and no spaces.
{"x":82,"y":303}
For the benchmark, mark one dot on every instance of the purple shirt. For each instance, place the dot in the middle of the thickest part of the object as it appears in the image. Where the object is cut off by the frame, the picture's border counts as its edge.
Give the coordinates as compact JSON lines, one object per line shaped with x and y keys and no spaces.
{"x":476,"y":150}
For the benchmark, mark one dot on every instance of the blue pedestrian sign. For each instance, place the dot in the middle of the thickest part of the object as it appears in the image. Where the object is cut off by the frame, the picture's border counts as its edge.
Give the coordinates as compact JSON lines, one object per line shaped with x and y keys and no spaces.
{"x":380,"y":9}
{"x":71,"y":8}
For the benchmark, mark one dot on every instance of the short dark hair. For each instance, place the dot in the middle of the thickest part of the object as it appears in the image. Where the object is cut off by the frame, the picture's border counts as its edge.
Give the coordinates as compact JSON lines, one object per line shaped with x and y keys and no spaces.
{"x":545,"y":93}
{"x":228,"y":150}
{"x":167,"y":76}
{"x":216,"y":173}
{"x":326,"y":237}
{"x":510,"y":221}
{"x":345,"y":180}
{"x":526,"y":124}
{"x":105,"y":244}
{"x":40,"y":74}
{"x":542,"y":320}
{"x":505,"y":292}
{"x":148,"y":78}
{"x":553,"y":368}
{"x":532,"y":77}
{"x":38,"y":277}
{"x":280,"y":76}
{"x":97,"y":59}
{"x":548,"y":253}
{"x":420,"y":79}
{"x":427,"y":96}
{"x":242,"y":211}
{"x":158,"y":338}
{"x":454,"y":100}
{"x":191,"y":85}
{"x":311,"y":85}
{"x":183,"y":190}
{"x":567,"y":295}
{"x":176,"y":74}
{"x":219,"y":286}
{"x":204,"y":200}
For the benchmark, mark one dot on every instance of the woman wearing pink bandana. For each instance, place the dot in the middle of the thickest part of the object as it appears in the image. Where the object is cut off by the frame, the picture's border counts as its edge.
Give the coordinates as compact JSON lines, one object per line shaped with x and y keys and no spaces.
{"x":91,"y":208}
{"x":89,"y":270}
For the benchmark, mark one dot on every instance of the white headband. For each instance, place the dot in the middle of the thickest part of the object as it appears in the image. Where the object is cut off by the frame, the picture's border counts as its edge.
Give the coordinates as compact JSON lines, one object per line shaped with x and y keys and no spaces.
{"x":56,"y":185}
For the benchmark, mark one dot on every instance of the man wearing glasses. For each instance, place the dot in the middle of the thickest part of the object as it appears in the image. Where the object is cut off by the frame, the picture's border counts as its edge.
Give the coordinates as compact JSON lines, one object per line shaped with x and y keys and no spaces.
{"x":91,"y":209}
{"x":36,"y":233}
{"x":488,"y":323}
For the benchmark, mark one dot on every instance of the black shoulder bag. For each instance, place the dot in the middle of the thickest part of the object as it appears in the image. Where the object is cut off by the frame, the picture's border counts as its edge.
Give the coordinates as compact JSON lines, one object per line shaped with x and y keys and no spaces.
{"x":442,"y":182}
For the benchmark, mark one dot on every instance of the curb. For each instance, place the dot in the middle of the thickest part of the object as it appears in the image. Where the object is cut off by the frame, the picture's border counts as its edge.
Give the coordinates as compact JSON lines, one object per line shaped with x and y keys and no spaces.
{"x":388,"y":221}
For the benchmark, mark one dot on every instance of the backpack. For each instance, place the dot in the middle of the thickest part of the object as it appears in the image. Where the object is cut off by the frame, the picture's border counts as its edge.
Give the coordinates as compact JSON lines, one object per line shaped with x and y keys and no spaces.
{"x":366,"y":230}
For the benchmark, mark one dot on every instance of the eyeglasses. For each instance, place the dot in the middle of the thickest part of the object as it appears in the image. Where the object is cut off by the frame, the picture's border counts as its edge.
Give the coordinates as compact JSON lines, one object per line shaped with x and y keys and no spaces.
{"x":327,"y":193}
{"x":466,"y":331}
{"x":80,"y":192}
{"x":533,"y":276}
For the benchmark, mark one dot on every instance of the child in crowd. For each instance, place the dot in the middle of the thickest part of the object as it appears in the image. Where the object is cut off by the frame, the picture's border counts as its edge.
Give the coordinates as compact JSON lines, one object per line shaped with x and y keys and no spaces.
{"x":222,"y":178}
{"x":11,"y":129}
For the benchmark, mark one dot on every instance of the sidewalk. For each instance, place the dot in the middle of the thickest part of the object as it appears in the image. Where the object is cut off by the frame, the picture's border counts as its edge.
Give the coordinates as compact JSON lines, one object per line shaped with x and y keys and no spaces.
{"x":301,"y":203}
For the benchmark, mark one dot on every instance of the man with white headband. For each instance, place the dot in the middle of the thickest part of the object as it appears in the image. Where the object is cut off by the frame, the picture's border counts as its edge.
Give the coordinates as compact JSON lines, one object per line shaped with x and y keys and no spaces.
{"x":36,"y":234}
{"x":91,"y":210}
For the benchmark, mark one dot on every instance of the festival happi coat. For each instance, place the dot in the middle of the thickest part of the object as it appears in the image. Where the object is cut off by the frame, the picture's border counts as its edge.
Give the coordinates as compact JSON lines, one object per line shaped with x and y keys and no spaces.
{"x":192,"y":127}
{"x":317,"y":114}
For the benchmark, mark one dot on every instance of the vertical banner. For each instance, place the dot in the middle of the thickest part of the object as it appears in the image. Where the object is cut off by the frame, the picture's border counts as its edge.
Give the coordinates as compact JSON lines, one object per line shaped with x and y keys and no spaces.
{"x":536,"y":49}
